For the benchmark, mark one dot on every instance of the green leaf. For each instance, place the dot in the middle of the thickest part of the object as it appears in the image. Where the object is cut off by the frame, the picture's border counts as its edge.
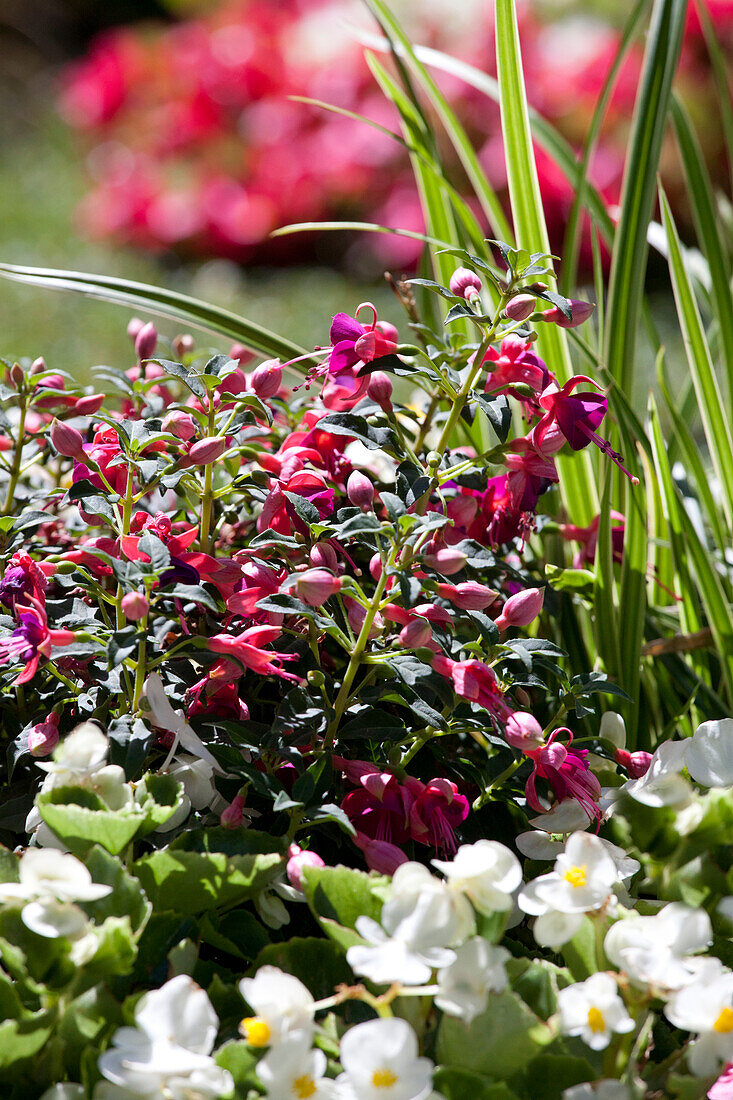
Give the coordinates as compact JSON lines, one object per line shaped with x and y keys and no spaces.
{"x":22,"y":1039}
{"x":241,"y":1061}
{"x":551,"y":1074}
{"x":342,"y":895}
{"x":127,"y":898}
{"x":319,"y":964}
{"x":498,"y":1043}
{"x":461,"y":1084}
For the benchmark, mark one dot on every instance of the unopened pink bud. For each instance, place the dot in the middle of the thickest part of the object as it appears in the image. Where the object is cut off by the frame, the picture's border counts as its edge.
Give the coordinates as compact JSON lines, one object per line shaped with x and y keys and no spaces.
{"x":241,"y":353}
{"x":146,"y":340}
{"x":521,"y":307}
{"x":17,"y":375}
{"x":447,"y":560}
{"x":521,"y":609}
{"x":469,"y":595}
{"x":67,"y":440}
{"x":298,"y":860}
{"x":267,"y":378}
{"x":635,"y":763}
{"x":206,"y":451}
{"x":375,"y":566}
{"x":232,"y":817}
{"x":315,"y":586}
{"x":134,"y":327}
{"x":44,"y":737}
{"x":38,"y":365}
{"x":89,"y":404}
{"x":323,"y":556}
{"x":416,"y":634}
{"x":523,"y":731}
{"x":379,"y":389}
{"x":180,"y":424}
{"x":134,"y":606}
{"x":360,"y":490}
{"x":183,"y":344}
{"x":465,"y":283}
{"x":580,"y":311}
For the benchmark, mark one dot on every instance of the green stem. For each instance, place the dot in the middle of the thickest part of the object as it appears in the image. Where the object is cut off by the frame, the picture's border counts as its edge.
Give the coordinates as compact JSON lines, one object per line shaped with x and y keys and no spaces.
{"x":17,"y":460}
{"x":207,"y":501}
{"x":140,"y":668}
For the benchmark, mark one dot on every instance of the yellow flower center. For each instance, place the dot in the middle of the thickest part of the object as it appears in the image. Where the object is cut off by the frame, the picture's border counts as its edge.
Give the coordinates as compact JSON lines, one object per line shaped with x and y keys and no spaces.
{"x":576,"y":876}
{"x":595,"y":1020}
{"x":384,"y":1078}
{"x":724,"y":1022}
{"x":256,"y":1031}
{"x":304,"y":1087}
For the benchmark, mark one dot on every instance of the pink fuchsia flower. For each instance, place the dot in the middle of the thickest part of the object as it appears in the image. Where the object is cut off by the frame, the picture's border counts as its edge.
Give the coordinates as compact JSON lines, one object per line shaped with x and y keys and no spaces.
{"x":379,"y":389}
{"x":24,"y":578}
{"x":577,"y":415}
{"x":531,"y":473}
{"x":723,"y":1087}
{"x":416,"y":634}
{"x":257,"y":581}
{"x":523,"y":732}
{"x":360,"y":490}
{"x":380,"y":855}
{"x":44,"y":737}
{"x":393,"y":613}
{"x":353,"y":344}
{"x":315,"y":586}
{"x":588,"y":539}
{"x":579,"y":314}
{"x":444,"y":559}
{"x":379,"y":808}
{"x":298,"y":859}
{"x":521,"y":609}
{"x":278,"y":513}
{"x":515,"y":362}
{"x":566,"y":772}
{"x":475,"y":682}
{"x":67,"y":440}
{"x":520,"y":307}
{"x":247,"y":648}
{"x":31,"y":639}
{"x":634,"y":764}
{"x":179,"y":423}
{"x":437,"y":811}
{"x":266,"y":379}
{"x":233,"y":815}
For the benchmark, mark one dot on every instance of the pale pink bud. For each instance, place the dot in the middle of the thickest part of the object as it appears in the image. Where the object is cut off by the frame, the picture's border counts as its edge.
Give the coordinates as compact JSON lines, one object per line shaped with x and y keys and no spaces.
{"x":523,"y":731}
{"x":146,"y":340}
{"x":180,"y":424}
{"x":38,"y":365}
{"x":465,"y":283}
{"x":446,"y":560}
{"x":635,"y":763}
{"x":240,"y":352}
{"x":323,"y":556}
{"x":416,"y":634}
{"x":388,"y":330}
{"x":67,"y":440}
{"x":134,"y":606}
{"x":469,"y":595}
{"x":375,"y":566}
{"x":356,"y":615}
{"x":183,"y":344}
{"x":521,"y":609}
{"x":315,"y":586}
{"x":232,"y":817}
{"x":267,"y":378}
{"x":44,"y":737}
{"x":89,"y":404}
{"x":521,"y":307}
{"x":298,"y":860}
{"x":380,"y":855}
{"x":206,"y":451}
{"x":379,"y":389}
{"x":17,"y":375}
{"x":360,"y":490}
{"x":134,"y":327}
{"x":581,"y":311}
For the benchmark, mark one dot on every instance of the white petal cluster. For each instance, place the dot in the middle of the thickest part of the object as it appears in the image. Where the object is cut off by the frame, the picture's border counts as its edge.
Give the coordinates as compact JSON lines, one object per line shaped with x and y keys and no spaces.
{"x":282,"y":1005}
{"x":705,"y":1007}
{"x":486,"y":872}
{"x":464,"y":986}
{"x":659,"y":950}
{"x":709,"y":755}
{"x":380,"y":1061}
{"x":168,"y":1052}
{"x":663,"y":785}
{"x":593,"y":1010}
{"x":292,"y":1070}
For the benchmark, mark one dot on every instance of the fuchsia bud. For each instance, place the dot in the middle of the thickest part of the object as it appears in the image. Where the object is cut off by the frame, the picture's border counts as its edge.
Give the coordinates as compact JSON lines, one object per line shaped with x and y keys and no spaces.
{"x":67,"y":440}
{"x":375,"y":566}
{"x":180,"y":424}
{"x":446,"y":559}
{"x":183,"y":344}
{"x":635,"y":763}
{"x":379,"y":389}
{"x":580,"y":311}
{"x":206,"y":451}
{"x":145,"y":340}
{"x":89,"y":404}
{"x":360,"y":490}
{"x":416,"y":634}
{"x":298,"y":860}
{"x":241,"y":353}
{"x":521,"y":307}
{"x":134,"y":606}
{"x":44,"y":737}
{"x":134,"y":327}
{"x":17,"y":375}
{"x":388,"y":330}
{"x":266,"y":379}
{"x":38,"y":365}
{"x":323,"y":556}
{"x":465,"y":284}
{"x":315,"y":586}
{"x":232,"y":817}
{"x":521,"y":609}
{"x":523,"y":731}
{"x":469,"y":595}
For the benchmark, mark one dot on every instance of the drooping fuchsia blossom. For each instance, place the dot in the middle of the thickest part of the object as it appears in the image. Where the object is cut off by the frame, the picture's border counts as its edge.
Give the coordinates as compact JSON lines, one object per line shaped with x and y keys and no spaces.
{"x":516,"y":363}
{"x":258,"y":581}
{"x":353,"y":343}
{"x":379,"y":808}
{"x":278,"y":513}
{"x":588,"y":539}
{"x":635,"y":764}
{"x":24,"y":577}
{"x":521,"y":609}
{"x":475,"y":681}
{"x":531,"y":473}
{"x":31,"y":639}
{"x":436,"y":813}
{"x":247,"y":648}
{"x":566,"y":772}
{"x":577,"y":415}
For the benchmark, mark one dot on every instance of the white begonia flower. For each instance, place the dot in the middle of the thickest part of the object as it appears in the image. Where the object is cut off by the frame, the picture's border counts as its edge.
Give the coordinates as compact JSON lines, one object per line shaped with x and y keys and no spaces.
{"x":168,"y":1052}
{"x":613,"y":729}
{"x":292,"y":1071}
{"x":605,"y":1089}
{"x":66,"y":1091}
{"x":420,"y":920}
{"x":380,"y":1061}
{"x":166,"y":718}
{"x":50,"y":882}
{"x":658,"y":950}
{"x":710,"y":754}
{"x":582,"y":881}
{"x":283,"y":1008}
{"x":662,"y":784}
{"x":477,"y":971}
{"x":197,"y":778}
{"x":486,"y":872}
{"x":535,"y":844}
{"x":705,"y":1007}
{"x":593,"y":1010}
{"x":551,"y":830}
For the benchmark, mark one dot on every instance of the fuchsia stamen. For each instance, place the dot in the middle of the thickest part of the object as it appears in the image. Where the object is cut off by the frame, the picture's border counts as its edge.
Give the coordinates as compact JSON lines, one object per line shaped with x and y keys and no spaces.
{"x":605,"y":446}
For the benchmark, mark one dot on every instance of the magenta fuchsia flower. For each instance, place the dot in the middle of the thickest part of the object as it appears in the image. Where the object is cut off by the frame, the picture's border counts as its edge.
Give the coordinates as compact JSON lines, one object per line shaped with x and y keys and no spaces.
{"x":247,"y":648}
{"x":577,"y":415}
{"x":521,"y":609}
{"x":436,"y":813}
{"x":353,"y":344}
{"x":474,"y":681}
{"x":278,"y":513}
{"x":31,"y":639}
{"x":257,"y":581}
{"x":566,"y":772}
{"x":24,"y":578}
{"x":588,"y":539}
{"x":515,"y":362}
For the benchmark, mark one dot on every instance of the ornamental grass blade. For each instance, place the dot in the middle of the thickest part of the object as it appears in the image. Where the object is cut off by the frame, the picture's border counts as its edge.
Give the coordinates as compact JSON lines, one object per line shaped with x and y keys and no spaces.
{"x":721,"y":75}
{"x":628,"y":260}
{"x":161,"y":303}
{"x":709,"y":401}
